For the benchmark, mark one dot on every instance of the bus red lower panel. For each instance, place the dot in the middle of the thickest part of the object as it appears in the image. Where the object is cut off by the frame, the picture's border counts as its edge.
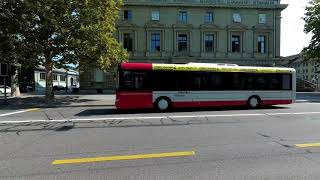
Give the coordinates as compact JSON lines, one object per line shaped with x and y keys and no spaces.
{"x":209,"y":103}
{"x":227,"y":103}
{"x":134,"y":100}
{"x":275,"y":102}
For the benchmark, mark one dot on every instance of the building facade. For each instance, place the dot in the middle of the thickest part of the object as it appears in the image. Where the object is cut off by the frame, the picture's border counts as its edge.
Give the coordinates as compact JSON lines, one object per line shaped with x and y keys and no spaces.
{"x":306,"y":70}
{"x":244,"y":32}
{"x":61,"y":78}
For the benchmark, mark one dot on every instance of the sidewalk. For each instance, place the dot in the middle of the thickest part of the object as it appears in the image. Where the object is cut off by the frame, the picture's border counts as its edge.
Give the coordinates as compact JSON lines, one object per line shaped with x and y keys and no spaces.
{"x":309,"y":96}
{"x":30,"y":101}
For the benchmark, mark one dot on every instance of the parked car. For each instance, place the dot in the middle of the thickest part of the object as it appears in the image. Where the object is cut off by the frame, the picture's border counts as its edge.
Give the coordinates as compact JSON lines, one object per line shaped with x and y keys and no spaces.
{"x":59,"y":88}
{"x":8,"y":90}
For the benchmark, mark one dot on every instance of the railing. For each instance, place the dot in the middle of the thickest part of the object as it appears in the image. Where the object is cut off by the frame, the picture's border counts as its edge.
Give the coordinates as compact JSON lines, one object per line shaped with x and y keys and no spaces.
{"x":222,"y":2}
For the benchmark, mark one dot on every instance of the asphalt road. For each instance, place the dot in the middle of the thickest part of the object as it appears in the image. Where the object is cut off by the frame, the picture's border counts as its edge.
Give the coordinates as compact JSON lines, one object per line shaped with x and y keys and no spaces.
{"x":223,"y":143}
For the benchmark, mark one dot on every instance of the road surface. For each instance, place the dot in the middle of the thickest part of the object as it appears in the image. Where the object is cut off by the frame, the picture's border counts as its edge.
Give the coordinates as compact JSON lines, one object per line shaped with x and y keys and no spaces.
{"x":280,"y":142}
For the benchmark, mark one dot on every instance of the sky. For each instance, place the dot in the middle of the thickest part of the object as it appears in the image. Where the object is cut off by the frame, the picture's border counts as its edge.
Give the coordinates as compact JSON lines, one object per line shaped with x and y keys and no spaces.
{"x":293,"y":38}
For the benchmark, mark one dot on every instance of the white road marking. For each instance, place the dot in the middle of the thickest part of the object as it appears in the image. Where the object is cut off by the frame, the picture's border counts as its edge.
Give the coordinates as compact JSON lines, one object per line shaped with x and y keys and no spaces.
{"x":298,"y":113}
{"x":154,"y":117}
{"x":18,"y":112}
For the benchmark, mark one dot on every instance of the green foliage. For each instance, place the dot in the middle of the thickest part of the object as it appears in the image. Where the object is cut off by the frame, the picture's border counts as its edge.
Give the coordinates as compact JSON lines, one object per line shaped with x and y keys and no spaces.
{"x":69,"y":31}
{"x":59,"y":32}
{"x":12,"y":47}
{"x":95,"y":42}
{"x":312,"y":20}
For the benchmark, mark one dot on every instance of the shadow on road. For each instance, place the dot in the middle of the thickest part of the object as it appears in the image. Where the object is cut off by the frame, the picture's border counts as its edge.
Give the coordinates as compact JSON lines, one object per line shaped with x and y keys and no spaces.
{"x":118,"y":123}
{"x":39,"y":101}
{"x":97,"y":112}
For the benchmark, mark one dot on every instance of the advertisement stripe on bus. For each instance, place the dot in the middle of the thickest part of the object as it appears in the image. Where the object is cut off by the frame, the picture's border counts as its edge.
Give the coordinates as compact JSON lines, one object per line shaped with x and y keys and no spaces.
{"x":178,"y":67}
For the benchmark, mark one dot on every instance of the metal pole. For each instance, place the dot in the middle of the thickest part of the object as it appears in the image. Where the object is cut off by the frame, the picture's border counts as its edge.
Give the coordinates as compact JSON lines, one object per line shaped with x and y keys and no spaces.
{"x":67,"y":82}
{"x":5,"y":90}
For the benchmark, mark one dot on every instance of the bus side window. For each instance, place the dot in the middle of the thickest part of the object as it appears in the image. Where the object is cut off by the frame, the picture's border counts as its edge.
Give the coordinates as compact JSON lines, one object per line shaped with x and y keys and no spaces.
{"x":249,"y":85}
{"x":235,"y":80}
{"x":164,"y":81}
{"x":127,"y":80}
{"x":215,"y":81}
{"x":196,"y":81}
{"x":274,"y":82}
{"x":260,"y":81}
{"x":286,"y":82}
{"x":140,"y":81}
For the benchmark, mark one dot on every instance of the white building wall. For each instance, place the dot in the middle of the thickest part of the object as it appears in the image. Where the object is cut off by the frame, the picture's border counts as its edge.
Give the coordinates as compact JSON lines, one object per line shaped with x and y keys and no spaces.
{"x":40,"y":84}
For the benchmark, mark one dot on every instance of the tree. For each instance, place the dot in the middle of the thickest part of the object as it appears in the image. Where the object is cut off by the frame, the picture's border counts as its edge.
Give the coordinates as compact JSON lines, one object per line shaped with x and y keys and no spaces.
{"x":59,"y":32}
{"x":9,"y":46}
{"x":95,"y":42}
{"x":312,"y":25}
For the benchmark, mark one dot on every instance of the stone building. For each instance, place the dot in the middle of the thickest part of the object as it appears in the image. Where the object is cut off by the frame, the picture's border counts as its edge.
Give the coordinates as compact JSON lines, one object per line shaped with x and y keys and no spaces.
{"x":244,"y":32}
{"x":306,"y":70}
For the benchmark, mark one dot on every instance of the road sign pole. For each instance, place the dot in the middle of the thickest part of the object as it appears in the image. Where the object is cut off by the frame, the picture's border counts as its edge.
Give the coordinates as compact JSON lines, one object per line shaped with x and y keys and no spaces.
{"x":5,"y":90}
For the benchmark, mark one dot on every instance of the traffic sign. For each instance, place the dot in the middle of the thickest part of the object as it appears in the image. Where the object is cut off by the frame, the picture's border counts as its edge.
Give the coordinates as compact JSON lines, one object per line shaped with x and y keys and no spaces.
{"x":3,"y":69}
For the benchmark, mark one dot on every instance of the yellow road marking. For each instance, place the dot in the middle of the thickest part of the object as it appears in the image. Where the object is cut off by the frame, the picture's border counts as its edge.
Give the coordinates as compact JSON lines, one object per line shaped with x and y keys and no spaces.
{"x":125,"y":157}
{"x":32,"y":109}
{"x":308,"y":145}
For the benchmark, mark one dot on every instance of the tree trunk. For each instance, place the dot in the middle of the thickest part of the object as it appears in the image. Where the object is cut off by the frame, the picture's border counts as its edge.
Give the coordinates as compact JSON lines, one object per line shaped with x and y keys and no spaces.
{"x":15,"y":91}
{"x":49,"y":82}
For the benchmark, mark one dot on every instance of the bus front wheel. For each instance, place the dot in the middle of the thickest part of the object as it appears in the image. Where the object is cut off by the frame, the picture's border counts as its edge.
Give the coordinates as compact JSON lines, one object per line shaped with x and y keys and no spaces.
{"x":254,"y":102}
{"x":163,"y":104}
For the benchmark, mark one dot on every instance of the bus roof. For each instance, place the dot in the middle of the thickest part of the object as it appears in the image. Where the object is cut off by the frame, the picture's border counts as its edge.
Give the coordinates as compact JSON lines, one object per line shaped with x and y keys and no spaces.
{"x":204,"y":67}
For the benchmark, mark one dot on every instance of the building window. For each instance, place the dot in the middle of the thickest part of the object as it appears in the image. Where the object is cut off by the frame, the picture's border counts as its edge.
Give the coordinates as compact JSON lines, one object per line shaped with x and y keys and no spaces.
{"x":155,"y":15}
{"x":62,"y":78}
{"x":262,"y":18}
{"x":209,"y":42}
{"x":235,"y":43}
{"x":55,"y":77}
{"x":183,"y":16}
{"x":155,"y":42}
{"x":307,"y":70}
{"x":262,"y":44}
{"x":127,"y":15}
{"x":208,"y":18}
{"x":182,"y":42}
{"x":236,"y":17}
{"x":42,"y":76}
{"x":128,"y":41}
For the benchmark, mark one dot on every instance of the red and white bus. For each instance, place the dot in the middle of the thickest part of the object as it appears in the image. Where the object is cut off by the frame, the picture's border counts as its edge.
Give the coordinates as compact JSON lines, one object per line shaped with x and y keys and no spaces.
{"x":165,"y":86}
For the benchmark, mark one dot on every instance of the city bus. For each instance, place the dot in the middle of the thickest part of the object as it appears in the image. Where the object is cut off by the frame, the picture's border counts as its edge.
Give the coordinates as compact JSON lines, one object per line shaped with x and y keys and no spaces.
{"x":165,"y":86}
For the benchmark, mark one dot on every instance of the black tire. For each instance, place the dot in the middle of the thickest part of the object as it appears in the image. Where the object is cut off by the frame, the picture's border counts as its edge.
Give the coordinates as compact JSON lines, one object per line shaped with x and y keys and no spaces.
{"x":162,"y":104}
{"x":254,"y":102}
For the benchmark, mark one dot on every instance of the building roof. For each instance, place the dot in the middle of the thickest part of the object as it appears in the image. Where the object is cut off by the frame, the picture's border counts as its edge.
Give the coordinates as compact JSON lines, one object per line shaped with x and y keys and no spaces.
{"x":265,"y":4}
{"x":59,"y":70}
{"x":293,"y":59}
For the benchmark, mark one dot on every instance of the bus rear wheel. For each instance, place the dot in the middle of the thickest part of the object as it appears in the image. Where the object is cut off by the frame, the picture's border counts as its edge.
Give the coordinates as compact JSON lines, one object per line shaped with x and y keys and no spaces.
{"x":254,"y":102}
{"x":163,"y":104}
